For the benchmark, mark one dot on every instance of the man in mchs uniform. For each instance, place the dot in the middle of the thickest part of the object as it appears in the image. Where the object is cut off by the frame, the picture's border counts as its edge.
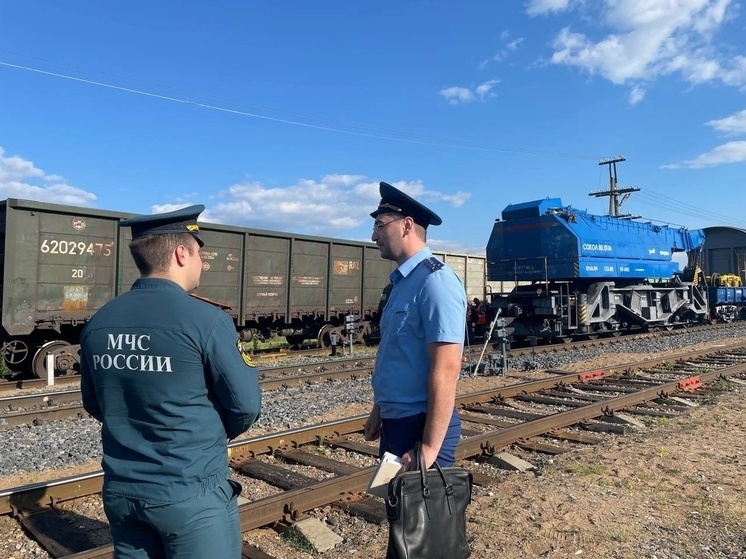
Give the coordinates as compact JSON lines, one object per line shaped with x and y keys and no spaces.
{"x":166,"y":376}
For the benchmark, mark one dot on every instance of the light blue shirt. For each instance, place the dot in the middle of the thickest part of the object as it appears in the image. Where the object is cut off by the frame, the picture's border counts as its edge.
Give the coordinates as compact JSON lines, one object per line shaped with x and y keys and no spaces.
{"x":427,"y":304}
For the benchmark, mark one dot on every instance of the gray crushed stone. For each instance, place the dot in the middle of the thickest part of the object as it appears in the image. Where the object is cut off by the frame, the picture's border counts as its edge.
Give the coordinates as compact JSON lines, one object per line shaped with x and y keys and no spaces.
{"x":65,"y":443}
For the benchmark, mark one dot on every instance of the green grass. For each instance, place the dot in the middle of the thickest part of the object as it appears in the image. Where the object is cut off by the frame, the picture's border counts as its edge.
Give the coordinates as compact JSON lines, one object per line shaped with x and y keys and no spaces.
{"x":295,"y":540}
{"x":275,"y":342}
{"x":4,"y":371}
{"x":586,"y":470}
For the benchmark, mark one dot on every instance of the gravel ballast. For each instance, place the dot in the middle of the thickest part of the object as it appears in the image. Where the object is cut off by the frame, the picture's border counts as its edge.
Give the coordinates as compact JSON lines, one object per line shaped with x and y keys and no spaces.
{"x":61,"y":444}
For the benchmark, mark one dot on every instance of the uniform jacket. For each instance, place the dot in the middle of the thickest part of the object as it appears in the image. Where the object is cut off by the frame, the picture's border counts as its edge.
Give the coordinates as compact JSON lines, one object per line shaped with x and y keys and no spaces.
{"x":163,"y":373}
{"x":427,"y":304}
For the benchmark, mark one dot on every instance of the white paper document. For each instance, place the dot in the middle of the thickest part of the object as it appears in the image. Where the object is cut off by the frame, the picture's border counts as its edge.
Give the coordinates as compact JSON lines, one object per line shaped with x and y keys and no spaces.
{"x":387,"y":470}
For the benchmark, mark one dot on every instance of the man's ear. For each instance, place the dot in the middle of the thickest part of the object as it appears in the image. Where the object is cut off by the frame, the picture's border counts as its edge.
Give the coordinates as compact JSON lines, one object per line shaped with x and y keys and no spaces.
{"x":181,"y":253}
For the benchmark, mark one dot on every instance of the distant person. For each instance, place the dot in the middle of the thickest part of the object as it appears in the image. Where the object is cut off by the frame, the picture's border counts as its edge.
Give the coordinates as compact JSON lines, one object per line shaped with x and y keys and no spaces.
{"x":422,"y":335}
{"x":333,"y":342}
{"x":170,"y":382}
{"x":478,"y":317}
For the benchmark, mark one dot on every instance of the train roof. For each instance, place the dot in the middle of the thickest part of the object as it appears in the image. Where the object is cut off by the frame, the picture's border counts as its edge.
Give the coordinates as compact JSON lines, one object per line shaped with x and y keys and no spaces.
{"x":33,"y":205}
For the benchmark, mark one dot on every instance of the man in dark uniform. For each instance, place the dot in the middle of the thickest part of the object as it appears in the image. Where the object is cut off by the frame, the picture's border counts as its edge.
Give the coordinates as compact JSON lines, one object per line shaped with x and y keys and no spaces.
{"x":166,"y":375}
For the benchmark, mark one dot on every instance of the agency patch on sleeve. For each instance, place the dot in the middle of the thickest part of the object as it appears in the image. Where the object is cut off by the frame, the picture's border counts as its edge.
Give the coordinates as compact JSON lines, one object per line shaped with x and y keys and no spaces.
{"x":244,"y":354}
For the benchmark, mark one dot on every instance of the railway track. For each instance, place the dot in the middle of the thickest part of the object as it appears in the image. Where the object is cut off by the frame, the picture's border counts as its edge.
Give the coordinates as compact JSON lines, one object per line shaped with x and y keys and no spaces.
{"x":472,"y":352}
{"x":547,"y":416}
{"x":64,"y":404}
{"x":28,"y":380}
{"x":19,"y":409}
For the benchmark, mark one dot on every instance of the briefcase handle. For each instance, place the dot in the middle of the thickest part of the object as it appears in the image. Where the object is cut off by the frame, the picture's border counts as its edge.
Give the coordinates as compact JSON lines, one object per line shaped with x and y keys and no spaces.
{"x":420,"y":458}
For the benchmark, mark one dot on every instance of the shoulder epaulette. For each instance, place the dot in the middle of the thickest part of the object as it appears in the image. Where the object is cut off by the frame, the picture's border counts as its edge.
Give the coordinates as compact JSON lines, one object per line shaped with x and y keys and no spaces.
{"x":433,"y":264}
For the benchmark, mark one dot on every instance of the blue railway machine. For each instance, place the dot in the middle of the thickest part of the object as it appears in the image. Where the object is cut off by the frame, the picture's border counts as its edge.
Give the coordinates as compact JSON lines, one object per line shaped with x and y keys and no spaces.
{"x":576,"y":274}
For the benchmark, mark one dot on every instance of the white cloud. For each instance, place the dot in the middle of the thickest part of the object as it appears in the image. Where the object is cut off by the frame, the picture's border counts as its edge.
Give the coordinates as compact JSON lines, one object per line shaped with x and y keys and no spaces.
{"x":733,"y":124}
{"x":456,"y":200}
{"x":509,"y":48}
{"x":163,"y":208}
{"x":456,"y":95}
{"x":539,"y":7}
{"x":461,"y":95}
{"x":483,"y":89}
{"x":417,"y":190}
{"x":636,"y":94}
{"x":327,"y":207}
{"x":342,"y":180}
{"x":20,"y":178}
{"x":651,"y":38}
{"x":513,"y":45}
{"x":444,"y":245}
{"x":732,"y":152}
{"x":330,"y":206}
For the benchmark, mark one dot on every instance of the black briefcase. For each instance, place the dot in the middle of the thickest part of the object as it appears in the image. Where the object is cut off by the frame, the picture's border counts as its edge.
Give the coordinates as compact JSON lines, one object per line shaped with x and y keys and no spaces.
{"x":427,"y":512}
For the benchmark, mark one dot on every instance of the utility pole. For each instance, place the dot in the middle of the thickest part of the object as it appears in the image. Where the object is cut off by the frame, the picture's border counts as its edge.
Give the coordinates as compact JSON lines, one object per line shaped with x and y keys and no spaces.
{"x":615,"y":204}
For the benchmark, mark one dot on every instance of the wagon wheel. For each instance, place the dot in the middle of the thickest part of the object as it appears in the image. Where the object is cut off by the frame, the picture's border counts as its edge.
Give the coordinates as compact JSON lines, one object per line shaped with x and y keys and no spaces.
{"x":364,"y":331}
{"x":40,"y":358}
{"x":323,"y":336}
{"x":15,"y":352}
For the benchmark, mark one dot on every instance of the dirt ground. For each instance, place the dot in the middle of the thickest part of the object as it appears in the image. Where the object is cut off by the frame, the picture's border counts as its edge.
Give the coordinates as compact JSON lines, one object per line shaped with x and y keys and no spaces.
{"x":671,"y":490}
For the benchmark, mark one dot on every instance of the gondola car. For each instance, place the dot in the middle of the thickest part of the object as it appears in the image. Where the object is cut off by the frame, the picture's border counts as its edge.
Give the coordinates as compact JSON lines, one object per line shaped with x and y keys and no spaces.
{"x":60,"y":264}
{"x":724,"y":266}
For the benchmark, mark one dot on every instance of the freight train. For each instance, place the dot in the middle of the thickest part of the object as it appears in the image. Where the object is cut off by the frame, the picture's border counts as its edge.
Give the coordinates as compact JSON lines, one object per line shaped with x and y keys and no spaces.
{"x":60,"y":264}
{"x":724,"y":265}
{"x":583,"y":275}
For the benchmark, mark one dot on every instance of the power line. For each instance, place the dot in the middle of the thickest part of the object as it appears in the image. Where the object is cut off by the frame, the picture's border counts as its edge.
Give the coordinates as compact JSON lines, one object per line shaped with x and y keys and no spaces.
{"x":335,"y":126}
{"x":665,"y":202}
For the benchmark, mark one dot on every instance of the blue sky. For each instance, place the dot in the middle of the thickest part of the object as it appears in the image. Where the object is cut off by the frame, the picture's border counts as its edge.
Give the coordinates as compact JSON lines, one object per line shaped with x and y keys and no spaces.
{"x":285,"y":115}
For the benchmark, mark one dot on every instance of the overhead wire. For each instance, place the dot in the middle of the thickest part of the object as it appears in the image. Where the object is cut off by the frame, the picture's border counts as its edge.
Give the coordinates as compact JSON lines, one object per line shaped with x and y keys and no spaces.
{"x":350,"y":128}
{"x":665,"y":202}
{"x":333,"y":126}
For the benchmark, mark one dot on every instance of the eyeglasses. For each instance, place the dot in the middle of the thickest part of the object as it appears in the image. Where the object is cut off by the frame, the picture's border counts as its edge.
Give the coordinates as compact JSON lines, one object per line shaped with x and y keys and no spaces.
{"x":378,"y":226}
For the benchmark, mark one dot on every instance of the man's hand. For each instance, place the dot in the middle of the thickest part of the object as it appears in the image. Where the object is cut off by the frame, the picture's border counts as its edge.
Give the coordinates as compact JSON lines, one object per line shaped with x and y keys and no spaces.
{"x":372,"y":428}
{"x":409,"y":459}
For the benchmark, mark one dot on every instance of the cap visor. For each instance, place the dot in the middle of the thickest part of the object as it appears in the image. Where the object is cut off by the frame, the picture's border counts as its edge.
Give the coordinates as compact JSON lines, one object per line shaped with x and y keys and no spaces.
{"x":198,"y":239}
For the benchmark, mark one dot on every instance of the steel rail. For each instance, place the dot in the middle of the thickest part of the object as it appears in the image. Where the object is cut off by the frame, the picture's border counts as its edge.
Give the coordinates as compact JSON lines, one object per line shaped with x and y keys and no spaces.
{"x":243,"y":449}
{"x":288,"y":504}
{"x":342,"y":373}
{"x":20,"y":383}
{"x":49,"y":399}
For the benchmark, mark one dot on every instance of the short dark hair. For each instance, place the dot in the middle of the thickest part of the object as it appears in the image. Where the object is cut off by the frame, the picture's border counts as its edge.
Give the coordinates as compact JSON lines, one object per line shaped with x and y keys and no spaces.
{"x":152,"y":253}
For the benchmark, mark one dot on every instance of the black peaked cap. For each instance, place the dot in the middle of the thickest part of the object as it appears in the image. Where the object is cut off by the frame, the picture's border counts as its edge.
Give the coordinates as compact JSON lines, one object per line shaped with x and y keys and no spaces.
{"x":394,"y":200}
{"x":183,"y":220}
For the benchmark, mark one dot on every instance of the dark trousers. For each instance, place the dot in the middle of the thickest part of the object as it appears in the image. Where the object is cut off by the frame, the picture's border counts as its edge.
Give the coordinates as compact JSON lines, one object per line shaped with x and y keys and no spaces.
{"x":399,"y":435}
{"x":202,"y":527}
